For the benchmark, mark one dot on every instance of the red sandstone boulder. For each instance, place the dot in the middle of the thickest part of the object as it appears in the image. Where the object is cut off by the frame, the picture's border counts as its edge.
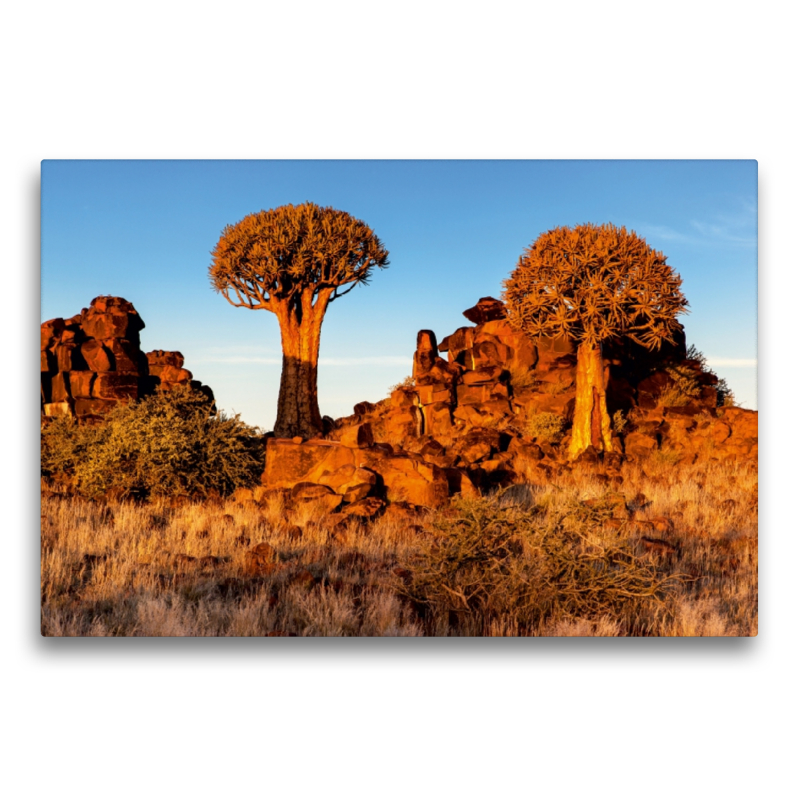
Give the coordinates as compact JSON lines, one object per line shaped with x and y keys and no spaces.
{"x":496,"y":329}
{"x":59,"y":387}
{"x":408,"y":479}
{"x":108,"y":326}
{"x":485,"y":375}
{"x":364,"y":407}
{"x":111,"y":318}
{"x":457,"y":342}
{"x":649,"y":390}
{"x":126,"y":356}
{"x":159,"y":358}
{"x":458,"y":482}
{"x":288,"y":464}
{"x":357,"y":436}
{"x":62,"y":409}
{"x":260,"y":560}
{"x":434,"y":393}
{"x":351,"y":482}
{"x":357,"y":492}
{"x":477,"y":445}
{"x":472,"y":395}
{"x":94,"y":358}
{"x":425,"y":355}
{"x":439,"y":372}
{"x":81,"y":383}
{"x":68,"y":357}
{"x":51,"y":332}
{"x":640,"y":444}
{"x":317,"y":494}
{"x":402,"y":397}
{"x":399,"y":425}
{"x":486,"y":354}
{"x":114,"y":386}
{"x":72,"y":334}
{"x":97,"y":358}
{"x":365,"y":508}
{"x":486,"y":310}
{"x":490,"y":412}
{"x":718,"y":432}
{"x":743,"y":423}
{"x":170,"y":374}
{"x":437,"y":419}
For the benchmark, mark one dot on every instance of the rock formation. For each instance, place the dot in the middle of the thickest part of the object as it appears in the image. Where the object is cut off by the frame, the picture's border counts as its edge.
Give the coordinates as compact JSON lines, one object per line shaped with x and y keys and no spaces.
{"x":464,"y":423}
{"x":93,"y":361}
{"x":492,"y":413}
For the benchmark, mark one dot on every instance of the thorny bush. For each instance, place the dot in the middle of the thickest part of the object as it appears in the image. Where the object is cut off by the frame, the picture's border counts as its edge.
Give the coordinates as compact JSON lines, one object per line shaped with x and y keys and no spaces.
{"x":171,"y":443}
{"x":486,"y":561}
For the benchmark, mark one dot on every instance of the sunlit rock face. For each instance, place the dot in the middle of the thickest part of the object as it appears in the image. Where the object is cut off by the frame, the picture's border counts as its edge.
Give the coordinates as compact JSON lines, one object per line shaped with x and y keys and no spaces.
{"x":93,"y":361}
{"x":469,"y":413}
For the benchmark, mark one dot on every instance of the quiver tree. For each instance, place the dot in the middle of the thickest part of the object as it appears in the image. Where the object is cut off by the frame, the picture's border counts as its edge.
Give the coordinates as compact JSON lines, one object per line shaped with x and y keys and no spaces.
{"x":591,"y":283}
{"x":294,"y":261}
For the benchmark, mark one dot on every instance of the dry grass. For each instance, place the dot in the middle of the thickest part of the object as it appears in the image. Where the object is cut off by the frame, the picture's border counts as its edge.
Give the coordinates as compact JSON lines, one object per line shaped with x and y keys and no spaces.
{"x":161,"y":570}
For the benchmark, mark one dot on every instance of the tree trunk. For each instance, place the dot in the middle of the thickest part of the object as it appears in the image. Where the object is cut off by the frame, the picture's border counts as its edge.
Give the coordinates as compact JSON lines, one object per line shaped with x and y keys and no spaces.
{"x":591,"y":425}
{"x":298,"y":406}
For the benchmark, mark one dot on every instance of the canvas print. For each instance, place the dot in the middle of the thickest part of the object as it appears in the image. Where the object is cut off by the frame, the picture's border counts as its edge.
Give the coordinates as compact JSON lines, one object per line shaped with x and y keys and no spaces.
{"x":399,"y":398}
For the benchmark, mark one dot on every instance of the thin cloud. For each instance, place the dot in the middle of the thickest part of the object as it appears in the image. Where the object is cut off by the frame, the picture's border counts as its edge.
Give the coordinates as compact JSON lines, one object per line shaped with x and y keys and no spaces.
{"x":720,"y":232}
{"x":238,"y":360}
{"x":734,"y":228}
{"x":359,"y":361}
{"x":662,"y":232}
{"x":326,"y":362}
{"x":732,"y":362}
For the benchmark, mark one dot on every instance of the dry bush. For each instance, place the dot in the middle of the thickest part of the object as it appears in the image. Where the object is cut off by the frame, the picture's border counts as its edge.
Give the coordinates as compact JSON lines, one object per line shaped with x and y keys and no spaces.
{"x":407,"y":383}
{"x":684,"y":387}
{"x":490,"y":561}
{"x":172,"y":443}
{"x":546,"y":427}
{"x":522,"y":378}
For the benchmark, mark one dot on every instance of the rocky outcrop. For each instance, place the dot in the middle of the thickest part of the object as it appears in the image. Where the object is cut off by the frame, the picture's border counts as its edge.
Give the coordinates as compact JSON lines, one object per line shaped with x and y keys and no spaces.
{"x":487,"y":406}
{"x":470,"y":415}
{"x":93,"y":361}
{"x":352,"y":474}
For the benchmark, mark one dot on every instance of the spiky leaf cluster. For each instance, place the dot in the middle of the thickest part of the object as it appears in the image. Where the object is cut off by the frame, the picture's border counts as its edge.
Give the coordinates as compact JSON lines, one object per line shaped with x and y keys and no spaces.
{"x":593,"y":282}
{"x":274,"y":255}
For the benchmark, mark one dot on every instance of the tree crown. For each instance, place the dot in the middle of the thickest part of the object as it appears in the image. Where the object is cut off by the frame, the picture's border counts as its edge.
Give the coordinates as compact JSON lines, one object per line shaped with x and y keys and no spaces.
{"x":272,"y":256}
{"x":594,"y":282}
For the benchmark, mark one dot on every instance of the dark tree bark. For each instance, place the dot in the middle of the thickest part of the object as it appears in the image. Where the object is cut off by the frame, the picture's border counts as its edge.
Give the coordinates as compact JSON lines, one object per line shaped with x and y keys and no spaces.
{"x":300,"y":322}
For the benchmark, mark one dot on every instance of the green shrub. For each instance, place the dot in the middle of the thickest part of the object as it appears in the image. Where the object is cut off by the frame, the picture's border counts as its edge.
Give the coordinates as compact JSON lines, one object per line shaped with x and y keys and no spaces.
{"x":171,"y":443}
{"x":546,"y":427}
{"x":488,"y":561}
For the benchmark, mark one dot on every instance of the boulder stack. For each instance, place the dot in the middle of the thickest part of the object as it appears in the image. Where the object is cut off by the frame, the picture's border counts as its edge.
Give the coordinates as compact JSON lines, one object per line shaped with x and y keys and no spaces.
{"x":469,"y":415}
{"x":93,"y":361}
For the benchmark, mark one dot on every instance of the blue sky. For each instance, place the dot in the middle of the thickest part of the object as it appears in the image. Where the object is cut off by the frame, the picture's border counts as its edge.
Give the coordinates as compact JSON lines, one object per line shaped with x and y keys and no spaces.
{"x":144,"y":230}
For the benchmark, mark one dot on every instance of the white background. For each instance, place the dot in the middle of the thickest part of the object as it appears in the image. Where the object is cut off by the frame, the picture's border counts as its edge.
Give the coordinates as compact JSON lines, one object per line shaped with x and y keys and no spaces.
{"x":288,"y":718}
